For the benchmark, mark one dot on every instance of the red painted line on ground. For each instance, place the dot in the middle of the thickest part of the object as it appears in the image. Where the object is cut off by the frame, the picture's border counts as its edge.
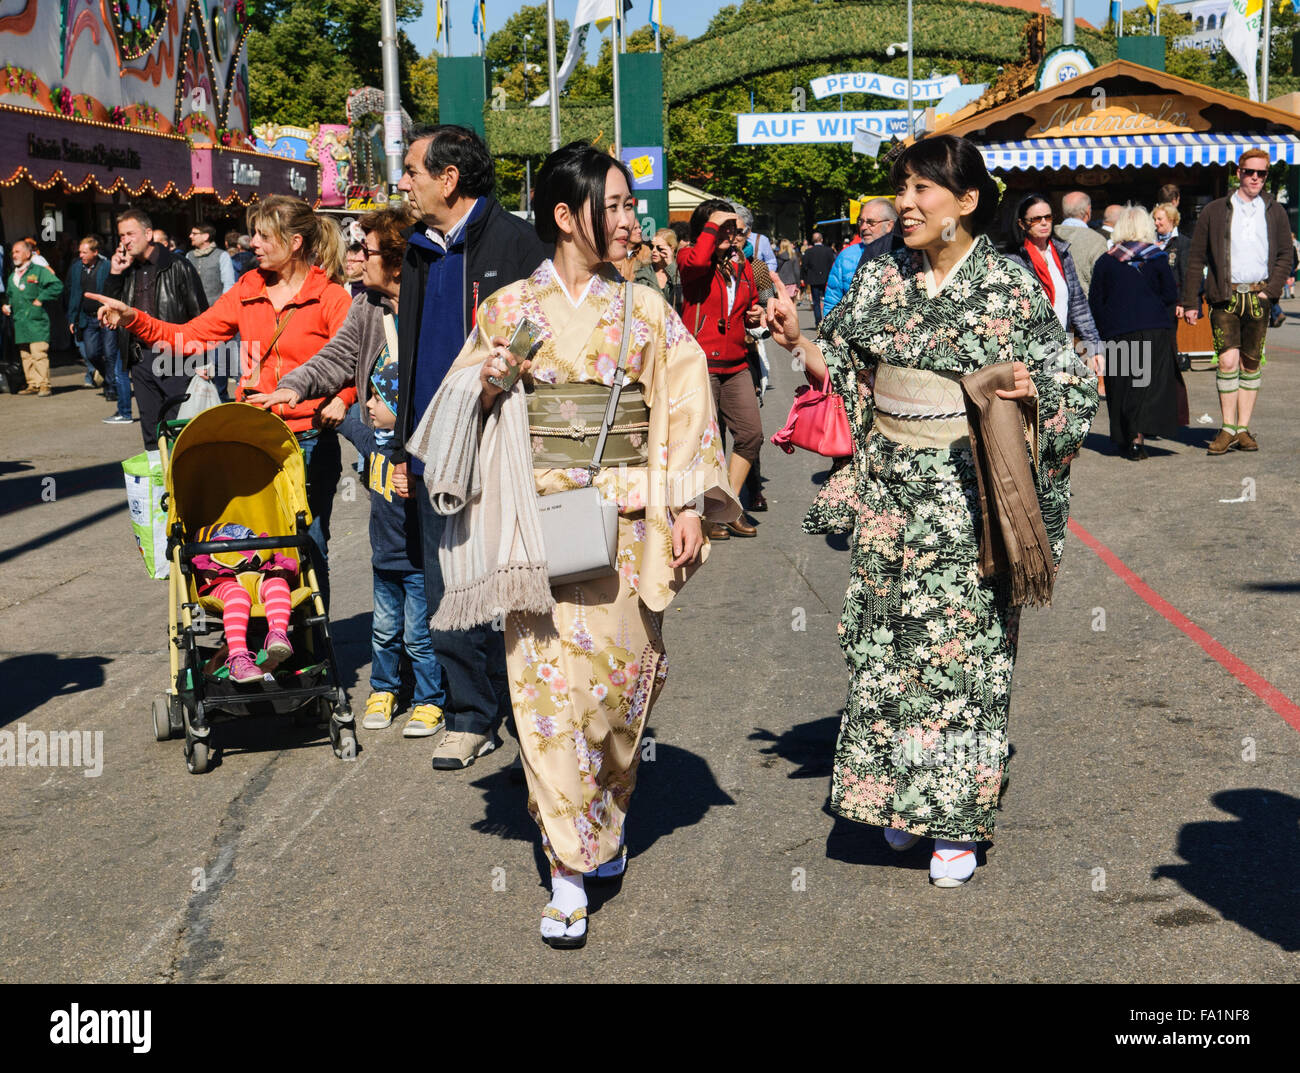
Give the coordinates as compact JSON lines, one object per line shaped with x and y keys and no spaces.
{"x":1251,"y":679}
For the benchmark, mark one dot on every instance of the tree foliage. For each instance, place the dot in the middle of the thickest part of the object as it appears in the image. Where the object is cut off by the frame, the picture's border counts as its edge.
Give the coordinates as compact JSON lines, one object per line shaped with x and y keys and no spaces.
{"x":305,"y":55}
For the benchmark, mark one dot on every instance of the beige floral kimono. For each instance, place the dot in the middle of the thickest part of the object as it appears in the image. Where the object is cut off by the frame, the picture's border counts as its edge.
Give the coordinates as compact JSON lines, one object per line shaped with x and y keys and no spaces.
{"x":583,"y":679}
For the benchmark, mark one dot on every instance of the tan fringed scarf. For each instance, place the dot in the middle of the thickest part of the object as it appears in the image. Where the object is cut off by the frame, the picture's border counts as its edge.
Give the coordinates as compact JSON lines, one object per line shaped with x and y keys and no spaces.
{"x":492,"y":554}
{"x":1013,"y":539}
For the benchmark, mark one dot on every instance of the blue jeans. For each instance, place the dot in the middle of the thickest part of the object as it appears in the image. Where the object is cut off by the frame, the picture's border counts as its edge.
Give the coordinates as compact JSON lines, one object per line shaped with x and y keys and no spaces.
{"x":324,"y":461}
{"x":473,"y":661}
{"x":90,"y":343}
{"x":120,"y":376}
{"x":401,"y":620}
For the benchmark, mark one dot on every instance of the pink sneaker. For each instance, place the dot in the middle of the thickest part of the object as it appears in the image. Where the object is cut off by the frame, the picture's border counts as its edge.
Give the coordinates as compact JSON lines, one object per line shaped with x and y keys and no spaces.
{"x":243,"y":669}
{"x":277,"y":645}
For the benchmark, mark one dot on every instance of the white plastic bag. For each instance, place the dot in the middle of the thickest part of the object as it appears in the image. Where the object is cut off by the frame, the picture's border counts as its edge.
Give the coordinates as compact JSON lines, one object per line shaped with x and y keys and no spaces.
{"x":144,"y":493}
{"x":203,"y":396}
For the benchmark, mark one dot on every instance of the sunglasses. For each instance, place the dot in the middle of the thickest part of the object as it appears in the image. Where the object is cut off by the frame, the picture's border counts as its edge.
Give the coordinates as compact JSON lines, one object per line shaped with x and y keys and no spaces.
{"x":1252,"y":173}
{"x":1031,"y":220}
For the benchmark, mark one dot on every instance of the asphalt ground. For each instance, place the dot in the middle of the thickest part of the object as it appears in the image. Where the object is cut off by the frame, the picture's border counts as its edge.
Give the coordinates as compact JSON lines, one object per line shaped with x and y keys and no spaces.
{"x":1150,"y":830}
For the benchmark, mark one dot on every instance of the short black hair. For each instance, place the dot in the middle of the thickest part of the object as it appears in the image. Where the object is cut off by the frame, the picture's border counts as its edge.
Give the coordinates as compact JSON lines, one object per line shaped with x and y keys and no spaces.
{"x":461,"y":148}
{"x":574,"y":175}
{"x":207,"y":229}
{"x":956,"y":165}
{"x":704,"y":210}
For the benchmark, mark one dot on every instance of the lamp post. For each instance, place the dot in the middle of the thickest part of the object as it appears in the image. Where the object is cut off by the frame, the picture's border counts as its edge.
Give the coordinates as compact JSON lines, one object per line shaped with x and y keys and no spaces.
{"x":392,"y":99}
{"x":911,"y":130}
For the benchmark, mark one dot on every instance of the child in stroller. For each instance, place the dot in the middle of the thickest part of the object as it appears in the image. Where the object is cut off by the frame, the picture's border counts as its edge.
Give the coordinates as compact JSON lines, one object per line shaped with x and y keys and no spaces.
{"x":220,"y":576}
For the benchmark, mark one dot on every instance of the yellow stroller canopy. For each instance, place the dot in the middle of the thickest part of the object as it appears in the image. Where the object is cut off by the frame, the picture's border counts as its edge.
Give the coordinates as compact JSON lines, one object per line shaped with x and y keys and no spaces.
{"x":236,"y":463}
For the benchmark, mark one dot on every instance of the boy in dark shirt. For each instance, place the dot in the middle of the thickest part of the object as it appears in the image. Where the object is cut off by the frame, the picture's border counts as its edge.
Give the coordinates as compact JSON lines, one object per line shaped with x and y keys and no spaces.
{"x":401,"y":618}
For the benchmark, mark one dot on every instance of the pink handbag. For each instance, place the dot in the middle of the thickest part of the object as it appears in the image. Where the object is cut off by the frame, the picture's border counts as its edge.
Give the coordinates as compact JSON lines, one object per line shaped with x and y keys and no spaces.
{"x":817,"y":423}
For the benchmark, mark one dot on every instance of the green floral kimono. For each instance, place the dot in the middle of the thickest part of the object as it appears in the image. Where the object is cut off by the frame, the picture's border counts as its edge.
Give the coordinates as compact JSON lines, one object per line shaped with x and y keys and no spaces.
{"x":931,"y":646}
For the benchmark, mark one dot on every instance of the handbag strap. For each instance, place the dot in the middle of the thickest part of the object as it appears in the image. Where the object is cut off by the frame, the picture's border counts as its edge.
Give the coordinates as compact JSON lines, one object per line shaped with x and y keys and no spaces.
{"x":619,"y":377}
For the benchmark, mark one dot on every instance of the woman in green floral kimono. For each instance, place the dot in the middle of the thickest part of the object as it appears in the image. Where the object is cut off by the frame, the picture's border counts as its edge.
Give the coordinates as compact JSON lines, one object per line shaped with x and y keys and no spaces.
{"x":931,"y":644}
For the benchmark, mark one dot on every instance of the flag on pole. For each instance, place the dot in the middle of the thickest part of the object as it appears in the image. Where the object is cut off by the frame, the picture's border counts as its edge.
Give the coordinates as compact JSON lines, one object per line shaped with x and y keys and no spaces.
{"x":1153,"y":4}
{"x":480,"y":21}
{"x":1241,"y":39}
{"x":657,"y":14}
{"x":599,"y":12}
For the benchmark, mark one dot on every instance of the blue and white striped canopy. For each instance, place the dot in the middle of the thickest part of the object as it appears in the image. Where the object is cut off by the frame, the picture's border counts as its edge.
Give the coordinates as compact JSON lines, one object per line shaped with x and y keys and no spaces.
{"x":1135,"y":151}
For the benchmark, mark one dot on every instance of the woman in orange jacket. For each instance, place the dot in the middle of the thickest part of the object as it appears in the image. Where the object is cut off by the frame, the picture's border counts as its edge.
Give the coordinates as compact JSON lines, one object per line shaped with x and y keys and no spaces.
{"x":284,"y":311}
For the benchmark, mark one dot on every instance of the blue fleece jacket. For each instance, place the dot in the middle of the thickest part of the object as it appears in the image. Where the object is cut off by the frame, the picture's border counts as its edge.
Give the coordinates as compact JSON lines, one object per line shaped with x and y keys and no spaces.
{"x":441,"y":334}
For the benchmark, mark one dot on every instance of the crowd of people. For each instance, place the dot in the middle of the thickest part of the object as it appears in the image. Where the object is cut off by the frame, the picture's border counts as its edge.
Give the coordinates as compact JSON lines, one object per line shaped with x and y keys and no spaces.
{"x":397,"y":333}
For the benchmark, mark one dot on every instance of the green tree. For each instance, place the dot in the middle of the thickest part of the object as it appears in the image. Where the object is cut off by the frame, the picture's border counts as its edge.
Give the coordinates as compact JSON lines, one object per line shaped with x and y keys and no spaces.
{"x":506,"y":49}
{"x":305,"y":55}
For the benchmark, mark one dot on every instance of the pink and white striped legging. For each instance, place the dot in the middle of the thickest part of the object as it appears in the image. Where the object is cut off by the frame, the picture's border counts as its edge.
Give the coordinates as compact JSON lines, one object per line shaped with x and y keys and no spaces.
{"x":274,"y":594}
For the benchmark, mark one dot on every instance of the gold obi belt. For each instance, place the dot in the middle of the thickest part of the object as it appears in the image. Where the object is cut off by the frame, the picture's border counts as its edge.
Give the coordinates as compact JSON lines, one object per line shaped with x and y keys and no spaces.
{"x":564,"y":423}
{"x":919,"y":408}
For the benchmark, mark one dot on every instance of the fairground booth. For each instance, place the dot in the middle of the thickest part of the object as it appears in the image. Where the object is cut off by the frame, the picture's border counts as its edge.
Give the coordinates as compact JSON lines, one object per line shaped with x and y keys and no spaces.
{"x":105,"y":105}
{"x":1120,"y":132}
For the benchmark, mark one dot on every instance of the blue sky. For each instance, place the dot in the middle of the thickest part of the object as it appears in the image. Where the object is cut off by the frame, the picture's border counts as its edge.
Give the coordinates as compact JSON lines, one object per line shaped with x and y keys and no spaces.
{"x":690,"y":17}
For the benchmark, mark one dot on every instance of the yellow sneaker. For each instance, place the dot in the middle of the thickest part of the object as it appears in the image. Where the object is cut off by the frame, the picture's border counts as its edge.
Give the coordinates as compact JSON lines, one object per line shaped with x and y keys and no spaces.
{"x":424,"y":722}
{"x":379,"y":711}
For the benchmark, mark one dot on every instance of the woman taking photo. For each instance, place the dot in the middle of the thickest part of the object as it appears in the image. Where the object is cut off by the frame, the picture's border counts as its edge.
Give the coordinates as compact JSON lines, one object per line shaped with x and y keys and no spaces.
{"x":284,"y":310}
{"x":585,"y":675}
{"x":1048,"y":260}
{"x":1133,"y":296}
{"x":930,"y":643}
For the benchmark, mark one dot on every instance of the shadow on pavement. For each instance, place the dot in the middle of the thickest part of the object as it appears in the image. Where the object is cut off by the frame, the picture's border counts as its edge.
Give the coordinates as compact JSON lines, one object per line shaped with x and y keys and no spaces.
{"x":64,"y":530}
{"x":35,"y":678}
{"x":675,"y":790}
{"x":31,"y":488}
{"x":1272,"y":586}
{"x":809,"y":745}
{"x":1249,"y":868}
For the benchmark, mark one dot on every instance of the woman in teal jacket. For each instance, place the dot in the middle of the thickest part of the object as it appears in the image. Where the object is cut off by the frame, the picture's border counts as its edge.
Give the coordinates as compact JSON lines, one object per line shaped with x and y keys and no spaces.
{"x":30,"y":288}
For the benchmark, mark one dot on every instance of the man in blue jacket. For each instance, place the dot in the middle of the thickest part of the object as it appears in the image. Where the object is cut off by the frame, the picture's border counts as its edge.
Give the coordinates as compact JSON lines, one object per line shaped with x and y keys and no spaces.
{"x":875,"y":223}
{"x":465,"y":247}
{"x":98,"y":345}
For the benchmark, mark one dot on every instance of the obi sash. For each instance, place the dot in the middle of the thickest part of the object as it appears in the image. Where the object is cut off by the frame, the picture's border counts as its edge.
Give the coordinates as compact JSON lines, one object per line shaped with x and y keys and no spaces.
{"x":920,"y":408}
{"x":564,"y":424}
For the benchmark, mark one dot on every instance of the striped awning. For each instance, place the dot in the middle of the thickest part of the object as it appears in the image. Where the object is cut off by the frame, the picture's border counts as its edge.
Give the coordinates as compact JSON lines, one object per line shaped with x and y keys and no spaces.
{"x":1135,"y":151}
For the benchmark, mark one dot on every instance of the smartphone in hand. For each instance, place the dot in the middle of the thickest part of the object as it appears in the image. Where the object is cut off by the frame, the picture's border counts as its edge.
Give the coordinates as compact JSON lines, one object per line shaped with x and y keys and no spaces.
{"x":523,"y":345}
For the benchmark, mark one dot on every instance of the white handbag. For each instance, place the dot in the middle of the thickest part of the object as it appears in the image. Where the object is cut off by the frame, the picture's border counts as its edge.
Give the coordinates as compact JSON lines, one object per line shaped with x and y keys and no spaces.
{"x":580,"y":527}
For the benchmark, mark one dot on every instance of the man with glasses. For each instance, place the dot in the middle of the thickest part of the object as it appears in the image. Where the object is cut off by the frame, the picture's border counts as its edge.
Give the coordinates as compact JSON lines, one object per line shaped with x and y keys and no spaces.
{"x":876,"y":230}
{"x":1243,"y":242}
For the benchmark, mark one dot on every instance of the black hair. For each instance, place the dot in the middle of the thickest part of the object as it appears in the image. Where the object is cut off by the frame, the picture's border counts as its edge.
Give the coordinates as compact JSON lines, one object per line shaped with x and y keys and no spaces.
{"x":1028,"y":202}
{"x":461,"y":148}
{"x":957,"y":166}
{"x":704,"y":210}
{"x":574,"y":175}
{"x":208,"y":230}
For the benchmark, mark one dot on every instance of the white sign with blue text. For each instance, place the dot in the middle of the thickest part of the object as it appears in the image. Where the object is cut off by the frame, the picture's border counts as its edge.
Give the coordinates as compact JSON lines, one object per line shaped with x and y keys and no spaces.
{"x":923,"y":89}
{"x":797,"y":128}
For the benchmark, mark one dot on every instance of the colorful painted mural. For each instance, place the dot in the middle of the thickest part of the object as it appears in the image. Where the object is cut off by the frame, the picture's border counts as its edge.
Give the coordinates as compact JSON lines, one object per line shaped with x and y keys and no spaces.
{"x":162,"y":65}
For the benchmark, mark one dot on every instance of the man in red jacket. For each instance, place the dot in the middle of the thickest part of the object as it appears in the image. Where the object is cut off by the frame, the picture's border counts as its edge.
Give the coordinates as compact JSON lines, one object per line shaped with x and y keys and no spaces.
{"x":718,"y":300}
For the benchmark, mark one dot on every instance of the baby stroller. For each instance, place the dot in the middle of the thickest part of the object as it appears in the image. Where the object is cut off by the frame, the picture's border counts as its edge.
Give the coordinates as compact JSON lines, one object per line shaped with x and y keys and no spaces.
{"x":238,"y":463}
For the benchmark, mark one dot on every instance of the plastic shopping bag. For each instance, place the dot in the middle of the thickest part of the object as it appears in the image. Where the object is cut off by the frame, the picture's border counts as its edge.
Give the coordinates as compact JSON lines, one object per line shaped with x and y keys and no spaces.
{"x":144,"y":493}
{"x":202,"y":396}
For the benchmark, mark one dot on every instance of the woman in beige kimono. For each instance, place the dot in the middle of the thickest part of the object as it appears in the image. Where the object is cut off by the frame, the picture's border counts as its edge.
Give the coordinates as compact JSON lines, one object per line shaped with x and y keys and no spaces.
{"x":584,"y":677}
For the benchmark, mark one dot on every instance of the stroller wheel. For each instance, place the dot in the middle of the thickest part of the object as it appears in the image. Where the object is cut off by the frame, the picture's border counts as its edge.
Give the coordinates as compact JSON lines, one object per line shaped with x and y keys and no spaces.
{"x":162,"y":725}
{"x":196,"y":756}
{"x":345,"y":743}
